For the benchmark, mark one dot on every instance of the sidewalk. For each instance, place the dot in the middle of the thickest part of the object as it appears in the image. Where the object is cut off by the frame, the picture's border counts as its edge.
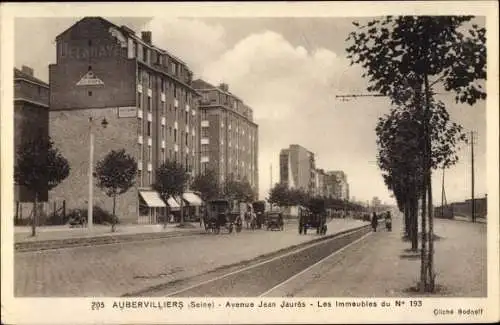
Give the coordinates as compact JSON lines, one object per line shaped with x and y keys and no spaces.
{"x":23,"y":234}
{"x":478,"y":220}
{"x":383,"y":266}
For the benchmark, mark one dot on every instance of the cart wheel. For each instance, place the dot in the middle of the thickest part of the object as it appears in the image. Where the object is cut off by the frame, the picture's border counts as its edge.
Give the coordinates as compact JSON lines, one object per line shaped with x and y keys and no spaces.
{"x":305,"y":230}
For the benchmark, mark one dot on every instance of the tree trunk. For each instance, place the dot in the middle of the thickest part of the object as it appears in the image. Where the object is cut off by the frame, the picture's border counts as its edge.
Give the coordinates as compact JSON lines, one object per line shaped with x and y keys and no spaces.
{"x":428,"y":174}
{"x":113,"y":223}
{"x":423,"y":252}
{"x":182,"y":211}
{"x":414,"y":222}
{"x":35,"y":216}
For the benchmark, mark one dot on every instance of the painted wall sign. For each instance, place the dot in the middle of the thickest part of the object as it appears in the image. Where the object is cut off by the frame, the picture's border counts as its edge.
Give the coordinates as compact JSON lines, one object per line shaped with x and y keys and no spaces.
{"x":68,"y":51}
{"x":90,"y":79}
{"x":129,"y":111}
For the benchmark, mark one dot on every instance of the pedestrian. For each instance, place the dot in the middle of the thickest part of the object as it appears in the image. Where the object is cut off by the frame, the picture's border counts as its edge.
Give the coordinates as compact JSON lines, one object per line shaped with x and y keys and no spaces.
{"x":374,"y":222}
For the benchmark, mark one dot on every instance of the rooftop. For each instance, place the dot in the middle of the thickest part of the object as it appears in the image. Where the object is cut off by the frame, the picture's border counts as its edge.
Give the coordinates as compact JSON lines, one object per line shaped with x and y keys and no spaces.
{"x":28,"y":74}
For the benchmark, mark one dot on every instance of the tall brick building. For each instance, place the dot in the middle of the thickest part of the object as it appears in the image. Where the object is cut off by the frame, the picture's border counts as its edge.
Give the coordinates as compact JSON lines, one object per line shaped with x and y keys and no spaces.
{"x":229,"y":136}
{"x":31,"y":117}
{"x":145,"y":94}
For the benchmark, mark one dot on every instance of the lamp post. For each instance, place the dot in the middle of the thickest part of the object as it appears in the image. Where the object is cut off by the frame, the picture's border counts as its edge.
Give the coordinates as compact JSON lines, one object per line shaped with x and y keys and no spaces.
{"x":90,"y":208}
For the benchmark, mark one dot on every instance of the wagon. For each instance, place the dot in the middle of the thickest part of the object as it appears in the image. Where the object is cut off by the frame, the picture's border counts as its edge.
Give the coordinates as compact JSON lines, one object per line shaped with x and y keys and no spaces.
{"x":217,"y":216}
{"x":308,"y":220}
{"x":274,"y":220}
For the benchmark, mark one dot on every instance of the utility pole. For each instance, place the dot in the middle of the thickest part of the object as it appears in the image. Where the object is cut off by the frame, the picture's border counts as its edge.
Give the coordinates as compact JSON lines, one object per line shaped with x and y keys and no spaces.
{"x":472,"y":176}
{"x":442,"y":197}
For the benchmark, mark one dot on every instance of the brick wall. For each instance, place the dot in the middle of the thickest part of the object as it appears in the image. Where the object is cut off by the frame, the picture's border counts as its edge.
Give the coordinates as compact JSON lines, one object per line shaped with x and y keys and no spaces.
{"x":70,"y":132}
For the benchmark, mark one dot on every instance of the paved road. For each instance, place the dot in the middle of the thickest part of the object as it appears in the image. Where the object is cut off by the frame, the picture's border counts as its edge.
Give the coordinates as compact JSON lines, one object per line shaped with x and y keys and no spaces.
{"x":380,"y":266}
{"x":117,"y":269}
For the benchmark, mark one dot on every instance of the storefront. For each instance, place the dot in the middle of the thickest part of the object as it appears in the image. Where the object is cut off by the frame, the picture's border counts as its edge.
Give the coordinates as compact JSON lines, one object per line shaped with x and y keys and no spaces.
{"x":151,"y":207}
{"x":193,"y":204}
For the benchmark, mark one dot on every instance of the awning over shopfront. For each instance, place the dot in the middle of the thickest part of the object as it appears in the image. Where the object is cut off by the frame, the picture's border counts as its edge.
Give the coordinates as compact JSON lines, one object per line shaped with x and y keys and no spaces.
{"x":192,"y":199}
{"x":152,"y":199}
{"x":173,"y":203}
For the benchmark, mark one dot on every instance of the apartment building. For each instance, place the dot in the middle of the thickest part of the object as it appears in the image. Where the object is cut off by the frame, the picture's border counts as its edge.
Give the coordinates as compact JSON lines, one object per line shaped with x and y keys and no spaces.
{"x":145,"y":95}
{"x":31,"y":118}
{"x":229,"y":137}
{"x":337,"y":185}
{"x":297,"y":168}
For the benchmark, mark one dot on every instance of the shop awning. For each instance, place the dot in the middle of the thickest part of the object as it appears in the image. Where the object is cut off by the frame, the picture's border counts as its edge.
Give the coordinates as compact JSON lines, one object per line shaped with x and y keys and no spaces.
{"x":152,"y":199}
{"x":173,"y":203}
{"x":192,"y":199}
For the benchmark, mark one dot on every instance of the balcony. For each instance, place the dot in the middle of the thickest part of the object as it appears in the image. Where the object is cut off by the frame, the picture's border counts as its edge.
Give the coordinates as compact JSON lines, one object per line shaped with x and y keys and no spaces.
{"x":187,"y":108}
{"x":205,"y":159}
{"x":193,"y":112}
{"x":139,"y":165}
{"x":176,"y":147}
{"x":163,"y":97}
{"x":150,"y":117}
{"x":205,"y":141}
{"x":176,"y":103}
{"x":140,"y":139}
{"x":139,"y":113}
{"x":150,"y":93}
{"x":163,"y":120}
{"x":150,"y":142}
{"x":187,"y":150}
{"x":205,"y":124}
{"x":139,"y":88}
{"x":187,"y":129}
{"x":176,"y":125}
{"x":150,"y":167}
{"x":163,"y":144}
{"x":193,"y":132}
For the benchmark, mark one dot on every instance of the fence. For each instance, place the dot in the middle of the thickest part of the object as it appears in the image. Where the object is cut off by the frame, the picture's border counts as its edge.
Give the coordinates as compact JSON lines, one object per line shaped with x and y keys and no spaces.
{"x":50,"y":213}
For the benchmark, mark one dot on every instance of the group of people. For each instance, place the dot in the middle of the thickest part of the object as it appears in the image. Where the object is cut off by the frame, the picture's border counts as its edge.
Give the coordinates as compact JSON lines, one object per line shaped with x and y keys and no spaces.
{"x":388,"y":221}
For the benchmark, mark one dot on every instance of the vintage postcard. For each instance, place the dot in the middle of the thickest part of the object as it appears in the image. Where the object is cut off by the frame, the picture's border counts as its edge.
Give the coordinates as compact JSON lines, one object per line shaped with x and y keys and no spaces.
{"x":281,"y":162}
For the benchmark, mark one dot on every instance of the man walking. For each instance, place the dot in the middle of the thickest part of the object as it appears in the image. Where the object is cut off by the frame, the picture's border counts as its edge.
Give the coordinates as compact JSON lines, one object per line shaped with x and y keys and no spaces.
{"x":374,"y":222}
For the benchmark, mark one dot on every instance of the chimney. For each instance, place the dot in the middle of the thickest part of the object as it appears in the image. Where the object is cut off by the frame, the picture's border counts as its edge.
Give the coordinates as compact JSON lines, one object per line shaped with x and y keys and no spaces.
{"x":224,"y":87}
{"x":27,"y":70}
{"x":146,"y":36}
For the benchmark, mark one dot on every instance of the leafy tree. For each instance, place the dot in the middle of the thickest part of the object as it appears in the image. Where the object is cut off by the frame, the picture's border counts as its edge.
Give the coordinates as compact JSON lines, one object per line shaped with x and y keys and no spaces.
{"x":403,"y":58}
{"x":39,"y":167}
{"x":115,"y":175}
{"x":239,"y":190}
{"x":207,"y":185}
{"x":279,"y":195}
{"x":171,"y":180}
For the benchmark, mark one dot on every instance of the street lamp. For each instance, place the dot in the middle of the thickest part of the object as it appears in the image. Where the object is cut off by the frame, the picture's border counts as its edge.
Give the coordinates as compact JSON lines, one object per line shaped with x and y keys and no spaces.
{"x":90,"y":208}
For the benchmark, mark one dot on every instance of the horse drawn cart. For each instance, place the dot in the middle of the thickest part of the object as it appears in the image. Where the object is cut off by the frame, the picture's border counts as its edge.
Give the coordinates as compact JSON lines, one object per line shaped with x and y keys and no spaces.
{"x":312,"y":218}
{"x":274,"y":220}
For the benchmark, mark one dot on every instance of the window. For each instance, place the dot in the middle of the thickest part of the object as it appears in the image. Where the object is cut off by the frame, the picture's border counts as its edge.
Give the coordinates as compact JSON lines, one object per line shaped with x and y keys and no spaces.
{"x":139,"y":95}
{"x":187,"y":117}
{"x":163,"y":154}
{"x":149,"y":129}
{"x":145,"y":54}
{"x":170,"y":153}
{"x":90,"y":93}
{"x":162,"y":82}
{"x":175,"y":135}
{"x":141,"y":152}
{"x":150,"y":153}
{"x":150,"y":177}
{"x":170,"y":131}
{"x":203,"y":114}
{"x":139,"y":75}
{"x":163,"y":132}
{"x":173,"y":66}
{"x":139,"y":126}
{"x":187,"y":137}
{"x":151,"y":81}
{"x":150,"y":104}
{"x":164,"y":109}
{"x":204,"y":132}
{"x":175,"y":91}
{"x":186,"y":96}
{"x":139,"y":177}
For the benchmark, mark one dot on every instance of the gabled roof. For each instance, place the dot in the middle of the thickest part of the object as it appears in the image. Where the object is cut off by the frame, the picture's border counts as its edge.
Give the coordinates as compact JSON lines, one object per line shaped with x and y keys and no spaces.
{"x":19,"y":74}
{"x":106,"y":22}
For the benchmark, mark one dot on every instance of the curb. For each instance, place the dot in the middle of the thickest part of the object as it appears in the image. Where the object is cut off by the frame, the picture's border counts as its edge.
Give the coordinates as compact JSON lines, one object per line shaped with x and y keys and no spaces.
{"x":98,"y":240}
{"x":257,"y":259}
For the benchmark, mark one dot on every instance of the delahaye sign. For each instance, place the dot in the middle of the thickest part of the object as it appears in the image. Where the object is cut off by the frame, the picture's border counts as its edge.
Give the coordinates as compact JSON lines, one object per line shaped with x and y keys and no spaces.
{"x":84,"y":52}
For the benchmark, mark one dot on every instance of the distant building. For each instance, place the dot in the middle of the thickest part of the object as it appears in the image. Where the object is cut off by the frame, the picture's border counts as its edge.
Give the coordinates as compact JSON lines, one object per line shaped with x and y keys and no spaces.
{"x":297,"y":168}
{"x":105,"y":71}
{"x":229,"y":136}
{"x":31,"y":118}
{"x":336,"y":185}
{"x":376,"y":202}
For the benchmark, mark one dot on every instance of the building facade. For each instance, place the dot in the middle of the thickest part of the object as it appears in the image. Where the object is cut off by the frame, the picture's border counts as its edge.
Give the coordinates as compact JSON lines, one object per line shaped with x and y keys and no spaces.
{"x":31,"y":118}
{"x":336,"y":185}
{"x":145,"y":94}
{"x":297,"y":168}
{"x":229,"y":139}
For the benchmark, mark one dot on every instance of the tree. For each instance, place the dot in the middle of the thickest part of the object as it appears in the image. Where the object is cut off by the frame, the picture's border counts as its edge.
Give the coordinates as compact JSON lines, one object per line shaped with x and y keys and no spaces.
{"x":207,"y":185}
{"x":279,"y":195}
{"x":39,"y":167}
{"x":115,"y":175}
{"x":239,"y":190}
{"x":400,"y":56}
{"x":171,"y":180}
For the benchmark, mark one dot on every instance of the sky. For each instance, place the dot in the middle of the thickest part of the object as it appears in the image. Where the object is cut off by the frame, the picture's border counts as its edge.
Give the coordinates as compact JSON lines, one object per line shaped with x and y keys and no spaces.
{"x":289,"y":71}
